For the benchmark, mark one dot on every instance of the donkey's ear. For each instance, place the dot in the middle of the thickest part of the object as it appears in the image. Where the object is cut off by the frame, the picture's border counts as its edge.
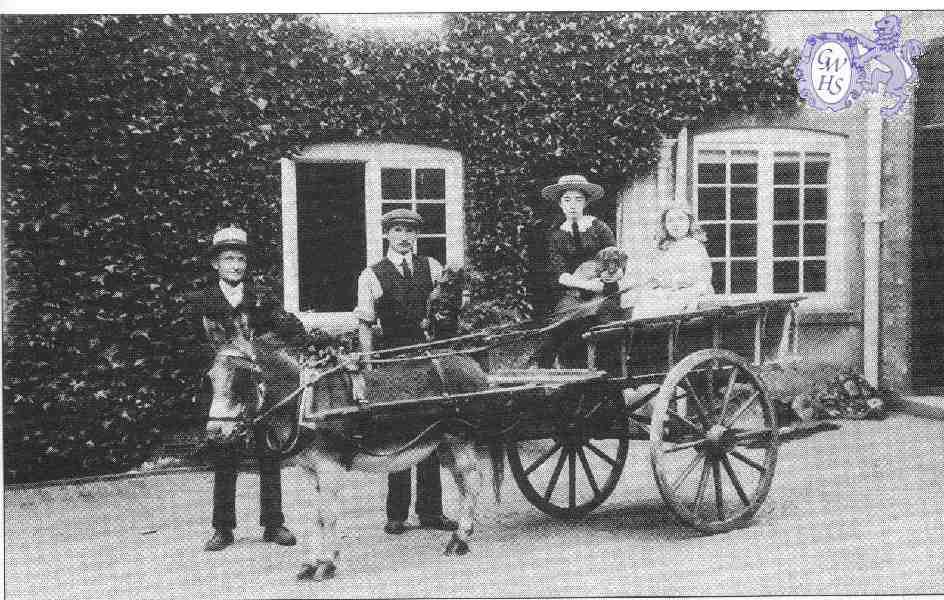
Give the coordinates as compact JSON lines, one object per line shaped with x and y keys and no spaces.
{"x":215,"y":331}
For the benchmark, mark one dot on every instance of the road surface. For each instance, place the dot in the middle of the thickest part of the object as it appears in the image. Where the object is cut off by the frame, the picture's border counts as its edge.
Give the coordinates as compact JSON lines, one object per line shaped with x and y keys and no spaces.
{"x":853,"y":511}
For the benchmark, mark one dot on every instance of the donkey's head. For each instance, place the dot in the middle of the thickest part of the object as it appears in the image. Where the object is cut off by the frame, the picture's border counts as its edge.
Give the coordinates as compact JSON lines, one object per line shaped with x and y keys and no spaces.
{"x":235,"y":376}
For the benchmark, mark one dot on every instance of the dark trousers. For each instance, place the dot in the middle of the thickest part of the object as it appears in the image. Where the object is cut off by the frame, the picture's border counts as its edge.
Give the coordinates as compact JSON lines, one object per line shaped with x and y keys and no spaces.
{"x":270,"y":487}
{"x":428,"y":491}
{"x":565,"y":344}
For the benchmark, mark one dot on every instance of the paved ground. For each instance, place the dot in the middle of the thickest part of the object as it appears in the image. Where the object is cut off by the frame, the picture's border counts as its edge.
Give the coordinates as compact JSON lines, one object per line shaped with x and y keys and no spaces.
{"x":854,"y":511}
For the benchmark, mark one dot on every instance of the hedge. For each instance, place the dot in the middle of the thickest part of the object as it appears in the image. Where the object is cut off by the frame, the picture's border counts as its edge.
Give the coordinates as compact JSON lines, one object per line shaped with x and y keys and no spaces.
{"x":128,"y":139}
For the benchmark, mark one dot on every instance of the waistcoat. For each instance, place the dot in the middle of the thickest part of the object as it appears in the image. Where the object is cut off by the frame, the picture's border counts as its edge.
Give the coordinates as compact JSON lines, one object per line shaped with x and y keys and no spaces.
{"x":402,"y":307}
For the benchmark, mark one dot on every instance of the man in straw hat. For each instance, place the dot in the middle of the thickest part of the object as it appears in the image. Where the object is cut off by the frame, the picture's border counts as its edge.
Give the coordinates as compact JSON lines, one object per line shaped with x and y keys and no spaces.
{"x":226,"y":301}
{"x":578,"y":239}
{"x":394,"y":291}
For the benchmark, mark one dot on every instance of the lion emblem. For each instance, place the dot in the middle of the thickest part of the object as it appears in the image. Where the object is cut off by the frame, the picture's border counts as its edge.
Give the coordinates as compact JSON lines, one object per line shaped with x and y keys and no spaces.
{"x":895,"y":60}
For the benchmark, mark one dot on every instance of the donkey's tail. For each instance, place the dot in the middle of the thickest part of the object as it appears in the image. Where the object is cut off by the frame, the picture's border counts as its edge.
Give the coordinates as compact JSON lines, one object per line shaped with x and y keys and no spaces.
{"x":496,"y":452}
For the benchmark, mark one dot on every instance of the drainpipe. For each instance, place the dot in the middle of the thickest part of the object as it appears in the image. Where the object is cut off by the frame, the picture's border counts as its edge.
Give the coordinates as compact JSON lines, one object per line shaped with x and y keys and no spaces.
{"x":872,"y":218}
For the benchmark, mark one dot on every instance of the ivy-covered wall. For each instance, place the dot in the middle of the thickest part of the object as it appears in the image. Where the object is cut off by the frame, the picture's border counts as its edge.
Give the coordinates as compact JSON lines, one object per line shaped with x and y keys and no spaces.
{"x":127,"y":140}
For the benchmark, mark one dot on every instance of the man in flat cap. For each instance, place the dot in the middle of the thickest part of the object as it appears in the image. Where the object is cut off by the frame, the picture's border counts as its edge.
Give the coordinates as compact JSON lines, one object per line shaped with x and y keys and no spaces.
{"x":225,"y":302}
{"x":394,"y":291}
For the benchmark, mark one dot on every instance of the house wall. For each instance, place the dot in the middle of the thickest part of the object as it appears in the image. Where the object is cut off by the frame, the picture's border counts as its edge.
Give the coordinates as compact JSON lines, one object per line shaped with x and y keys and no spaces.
{"x":834,"y":336}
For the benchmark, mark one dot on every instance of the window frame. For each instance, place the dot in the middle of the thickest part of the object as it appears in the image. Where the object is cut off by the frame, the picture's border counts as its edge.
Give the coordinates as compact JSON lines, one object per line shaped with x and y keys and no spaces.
{"x":768,"y":142}
{"x":375,"y":156}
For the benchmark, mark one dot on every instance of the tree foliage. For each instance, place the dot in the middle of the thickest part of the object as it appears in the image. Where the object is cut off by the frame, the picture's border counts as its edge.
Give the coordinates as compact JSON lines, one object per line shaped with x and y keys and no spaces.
{"x":127,"y":140}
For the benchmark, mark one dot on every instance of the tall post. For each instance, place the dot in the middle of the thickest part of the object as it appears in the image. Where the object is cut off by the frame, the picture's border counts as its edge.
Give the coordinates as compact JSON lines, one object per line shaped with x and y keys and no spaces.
{"x":872,"y":218}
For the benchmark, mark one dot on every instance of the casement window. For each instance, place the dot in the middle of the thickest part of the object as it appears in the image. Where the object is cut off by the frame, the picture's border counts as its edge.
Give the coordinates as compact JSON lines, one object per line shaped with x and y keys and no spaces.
{"x":333,"y":199}
{"x":422,"y":190}
{"x":772,"y":203}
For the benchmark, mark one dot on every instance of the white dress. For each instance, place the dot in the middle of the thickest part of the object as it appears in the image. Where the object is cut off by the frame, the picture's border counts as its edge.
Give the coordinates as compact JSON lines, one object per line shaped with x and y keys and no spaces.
{"x":683,"y":273}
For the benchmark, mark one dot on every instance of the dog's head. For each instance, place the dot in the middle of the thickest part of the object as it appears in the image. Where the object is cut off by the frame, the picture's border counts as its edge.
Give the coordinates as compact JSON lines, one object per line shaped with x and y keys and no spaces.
{"x":611,"y":264}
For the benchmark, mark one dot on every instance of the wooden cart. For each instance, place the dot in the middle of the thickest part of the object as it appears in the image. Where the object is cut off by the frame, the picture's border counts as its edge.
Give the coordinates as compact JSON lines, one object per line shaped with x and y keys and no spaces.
{"x":688,"y":384}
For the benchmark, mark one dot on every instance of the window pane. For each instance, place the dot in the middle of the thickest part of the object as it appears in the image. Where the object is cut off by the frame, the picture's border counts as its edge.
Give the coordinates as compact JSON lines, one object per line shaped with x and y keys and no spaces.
{"x":430,"y":183}
{"x":786,"y":204}
{"x":786,"y":277}
{"x":743,"y":241}
{"x":434,"y":217}
{"x":711,"y":172}
{"x":395,"y":184}
{"x":786,"y":173}
{"x":814,"y":203}
{"x":743,"y":277}
{"x":786,"y":240}
{"x":816,"y":169}
{"x":435,"y":247}
{"x":744,"y":203}
{"x":711,"y":204}
{"x":717,"y":277}
{"x":717,"y":243}
{"x":388,"y":206}
{"x":814,"y":239}
{"x":743,"y":173}
{"x":814,"y":276}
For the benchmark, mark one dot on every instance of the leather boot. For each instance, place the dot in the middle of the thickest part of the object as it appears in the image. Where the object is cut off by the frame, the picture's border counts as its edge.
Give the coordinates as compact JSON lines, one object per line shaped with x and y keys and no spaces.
{"x":221,"y":539}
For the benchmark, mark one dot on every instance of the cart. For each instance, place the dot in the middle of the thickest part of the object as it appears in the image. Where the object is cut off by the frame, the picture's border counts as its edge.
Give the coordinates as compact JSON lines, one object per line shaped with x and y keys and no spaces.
{"x":689,"y":384}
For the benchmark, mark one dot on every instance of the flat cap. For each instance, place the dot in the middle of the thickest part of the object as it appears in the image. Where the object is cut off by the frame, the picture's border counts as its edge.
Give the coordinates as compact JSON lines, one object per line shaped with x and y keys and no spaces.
{"x":401,"y":215}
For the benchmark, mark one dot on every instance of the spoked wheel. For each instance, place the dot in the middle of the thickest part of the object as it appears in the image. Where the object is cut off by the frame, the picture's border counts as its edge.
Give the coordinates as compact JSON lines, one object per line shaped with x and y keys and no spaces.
{"x":713,"y":441}
{"x":569,"y":473}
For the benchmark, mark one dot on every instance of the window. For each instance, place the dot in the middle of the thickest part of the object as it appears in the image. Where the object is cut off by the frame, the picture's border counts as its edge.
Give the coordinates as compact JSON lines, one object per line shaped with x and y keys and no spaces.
{"x":333,"y":199}
{"x":771,"y":203}
{"x":422,"y":190}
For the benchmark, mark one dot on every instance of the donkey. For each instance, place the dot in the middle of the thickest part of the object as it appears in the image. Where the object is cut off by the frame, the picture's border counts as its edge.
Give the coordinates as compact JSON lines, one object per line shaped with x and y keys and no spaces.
{"x":323,"y":453}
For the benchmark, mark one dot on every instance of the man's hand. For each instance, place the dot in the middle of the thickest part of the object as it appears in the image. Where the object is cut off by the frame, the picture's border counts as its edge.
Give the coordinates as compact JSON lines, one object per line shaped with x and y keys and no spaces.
{"x":220,"y":430}
{"x":355,"y":361}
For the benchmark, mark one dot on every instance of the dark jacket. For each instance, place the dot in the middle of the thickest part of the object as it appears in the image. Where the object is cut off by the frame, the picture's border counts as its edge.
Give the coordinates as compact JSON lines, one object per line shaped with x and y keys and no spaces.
{"x":565,"y":255}
{"x":261,"y":307}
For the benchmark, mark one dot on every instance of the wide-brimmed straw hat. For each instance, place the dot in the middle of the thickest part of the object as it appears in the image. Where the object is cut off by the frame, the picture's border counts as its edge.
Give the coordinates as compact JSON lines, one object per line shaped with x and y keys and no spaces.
{"x":229,"y":238}
{"x":572,"y":182}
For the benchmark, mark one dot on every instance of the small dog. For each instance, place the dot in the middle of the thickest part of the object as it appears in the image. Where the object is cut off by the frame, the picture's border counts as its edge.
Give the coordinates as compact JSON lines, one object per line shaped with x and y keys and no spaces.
{"x":611,"y":264}
{"x":608,"y":266}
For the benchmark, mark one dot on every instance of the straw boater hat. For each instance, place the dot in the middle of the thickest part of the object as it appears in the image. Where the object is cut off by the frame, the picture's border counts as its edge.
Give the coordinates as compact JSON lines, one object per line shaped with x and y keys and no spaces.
{"x":229,"y":238}
{"x":401,"y":215}
{"x":572,"y":182}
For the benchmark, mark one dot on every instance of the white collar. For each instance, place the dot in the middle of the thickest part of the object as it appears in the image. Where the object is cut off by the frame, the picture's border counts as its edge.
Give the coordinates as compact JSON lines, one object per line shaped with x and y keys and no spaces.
{"x":583,"y":224}
{"x":232,"y":293}
{"x":397,"y":259}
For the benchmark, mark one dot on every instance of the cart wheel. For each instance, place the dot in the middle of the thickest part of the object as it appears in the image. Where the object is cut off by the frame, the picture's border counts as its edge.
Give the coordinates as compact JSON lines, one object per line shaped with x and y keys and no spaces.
{"x":571,"y":473}
{"x":714,"y":459}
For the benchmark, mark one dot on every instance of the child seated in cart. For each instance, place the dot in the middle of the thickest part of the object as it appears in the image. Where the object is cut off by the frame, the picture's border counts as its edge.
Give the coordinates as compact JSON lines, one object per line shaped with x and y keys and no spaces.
{"x":679,"y":279}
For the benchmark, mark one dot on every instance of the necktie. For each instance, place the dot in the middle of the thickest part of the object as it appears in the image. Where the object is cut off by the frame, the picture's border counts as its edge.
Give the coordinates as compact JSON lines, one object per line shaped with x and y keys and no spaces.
{"x":576,"y":231}
{"x":407,"y":273}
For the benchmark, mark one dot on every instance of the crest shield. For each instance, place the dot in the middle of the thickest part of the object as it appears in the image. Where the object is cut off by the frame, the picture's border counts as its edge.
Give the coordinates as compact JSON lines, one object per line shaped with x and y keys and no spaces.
{"x":828,"y":76}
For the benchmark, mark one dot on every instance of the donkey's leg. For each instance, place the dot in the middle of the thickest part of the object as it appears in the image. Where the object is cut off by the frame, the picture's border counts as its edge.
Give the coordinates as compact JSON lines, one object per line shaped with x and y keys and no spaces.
{"x":459,"y":457}
{"x":323,"y":550}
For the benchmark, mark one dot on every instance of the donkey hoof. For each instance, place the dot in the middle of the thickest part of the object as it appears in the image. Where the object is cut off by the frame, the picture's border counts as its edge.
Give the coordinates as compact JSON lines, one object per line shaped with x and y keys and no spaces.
{"x":456,"y":546}
{"x":319,"y":571}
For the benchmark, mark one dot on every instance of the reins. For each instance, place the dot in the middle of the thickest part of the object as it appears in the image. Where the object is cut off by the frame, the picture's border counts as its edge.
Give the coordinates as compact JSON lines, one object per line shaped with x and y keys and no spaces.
{"x":265,"y":415}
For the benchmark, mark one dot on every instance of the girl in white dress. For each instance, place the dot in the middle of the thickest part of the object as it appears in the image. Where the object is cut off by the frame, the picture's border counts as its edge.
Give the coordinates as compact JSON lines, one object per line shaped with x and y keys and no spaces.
{"x":680,"y":277}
